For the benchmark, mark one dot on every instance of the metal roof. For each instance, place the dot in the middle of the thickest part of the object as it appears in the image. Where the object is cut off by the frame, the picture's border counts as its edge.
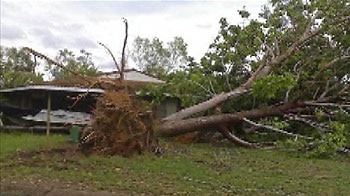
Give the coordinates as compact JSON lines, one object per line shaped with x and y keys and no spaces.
{"x":133,"y":75}
{"x":52,"y":88}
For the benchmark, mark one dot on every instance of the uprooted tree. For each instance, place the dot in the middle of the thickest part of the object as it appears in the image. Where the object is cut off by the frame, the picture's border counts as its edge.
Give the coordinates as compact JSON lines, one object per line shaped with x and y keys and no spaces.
{"x":121,"y":123}
{"x":287,"y":72}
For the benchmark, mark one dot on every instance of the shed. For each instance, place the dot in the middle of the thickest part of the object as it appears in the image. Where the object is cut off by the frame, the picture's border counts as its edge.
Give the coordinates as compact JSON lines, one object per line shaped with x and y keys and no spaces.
{"x":35,"y":96}
{"x":60,"y":95}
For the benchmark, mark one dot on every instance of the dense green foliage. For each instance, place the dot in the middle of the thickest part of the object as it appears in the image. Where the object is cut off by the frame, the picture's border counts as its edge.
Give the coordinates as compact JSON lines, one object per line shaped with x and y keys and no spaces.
{"x":153,"y":58}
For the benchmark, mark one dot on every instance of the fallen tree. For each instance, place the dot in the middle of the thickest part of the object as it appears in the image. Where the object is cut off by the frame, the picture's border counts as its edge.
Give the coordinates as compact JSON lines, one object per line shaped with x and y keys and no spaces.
{"x":298,"y":62}
{"x":287,"y":73}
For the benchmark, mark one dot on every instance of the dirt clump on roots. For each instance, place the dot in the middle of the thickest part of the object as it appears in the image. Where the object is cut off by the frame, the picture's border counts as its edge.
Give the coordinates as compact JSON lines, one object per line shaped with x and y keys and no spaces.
{"x":121,"y":124}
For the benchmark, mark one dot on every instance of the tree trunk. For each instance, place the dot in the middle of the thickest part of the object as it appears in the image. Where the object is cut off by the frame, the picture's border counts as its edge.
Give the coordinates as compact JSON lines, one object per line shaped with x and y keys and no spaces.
{"x":178,"y":127}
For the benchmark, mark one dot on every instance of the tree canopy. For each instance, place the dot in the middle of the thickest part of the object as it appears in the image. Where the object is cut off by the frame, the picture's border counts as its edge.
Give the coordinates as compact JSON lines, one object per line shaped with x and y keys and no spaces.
{"x":152,"y":57}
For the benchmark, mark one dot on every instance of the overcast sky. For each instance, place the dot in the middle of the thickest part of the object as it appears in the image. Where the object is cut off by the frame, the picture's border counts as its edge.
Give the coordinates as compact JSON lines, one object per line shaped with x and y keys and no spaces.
{"x":48,"y":26}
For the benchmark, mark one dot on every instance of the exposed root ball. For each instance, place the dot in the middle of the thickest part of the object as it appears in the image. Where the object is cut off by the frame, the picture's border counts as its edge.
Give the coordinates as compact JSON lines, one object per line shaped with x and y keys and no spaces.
{"x":118,"y":126}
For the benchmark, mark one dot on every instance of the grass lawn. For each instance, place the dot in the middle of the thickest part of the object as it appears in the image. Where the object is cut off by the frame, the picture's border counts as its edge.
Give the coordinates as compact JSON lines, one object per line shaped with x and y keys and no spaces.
{"x":17,"y":141}
{"x":184,"y":169}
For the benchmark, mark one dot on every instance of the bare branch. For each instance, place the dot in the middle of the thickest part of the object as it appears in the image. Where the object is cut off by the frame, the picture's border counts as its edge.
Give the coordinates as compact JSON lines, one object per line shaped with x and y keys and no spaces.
{"x":311,"y":103}
{"x":226,"y":75}
{"x":331,"y":63}
{"x":123,"y":51}
{"x":275,"y":129}
{"x":110,"y":52}
{"x":286,"y":98}
{"x":269,"y":49}
{"x":234,"y":139}
{"x":35,"y":64}
{"x":328,"y":89}
{"x":321,"y":126}
{"x":211,"y":86}
{"x":202,"y":87}
{"x":316,"y":92}
{"x":277,"y":49}
{"x":50,"y":61}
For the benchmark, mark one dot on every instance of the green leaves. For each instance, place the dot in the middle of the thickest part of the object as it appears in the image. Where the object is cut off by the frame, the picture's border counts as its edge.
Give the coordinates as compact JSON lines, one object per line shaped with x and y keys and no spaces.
{"x":272,"y":85}
{"x":152,"y":57}
{"x":244,"y":13}
{"x":81,"y":64}
{"x":331,"y":142}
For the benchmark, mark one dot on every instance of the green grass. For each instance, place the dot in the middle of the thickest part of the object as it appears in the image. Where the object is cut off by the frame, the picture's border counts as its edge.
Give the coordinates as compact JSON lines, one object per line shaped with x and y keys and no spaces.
{"x":190,"y":169}
{"x":19,"y":141}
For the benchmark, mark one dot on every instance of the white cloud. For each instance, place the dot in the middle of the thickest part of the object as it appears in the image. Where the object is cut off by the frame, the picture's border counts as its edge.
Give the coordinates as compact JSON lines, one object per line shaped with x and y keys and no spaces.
{"x":48,"y":26}
{"x":11,"y":32}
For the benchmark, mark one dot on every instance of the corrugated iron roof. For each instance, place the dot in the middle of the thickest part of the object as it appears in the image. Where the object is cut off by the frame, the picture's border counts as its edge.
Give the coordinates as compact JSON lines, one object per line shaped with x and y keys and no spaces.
{"x":52,"y":88}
